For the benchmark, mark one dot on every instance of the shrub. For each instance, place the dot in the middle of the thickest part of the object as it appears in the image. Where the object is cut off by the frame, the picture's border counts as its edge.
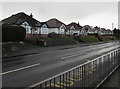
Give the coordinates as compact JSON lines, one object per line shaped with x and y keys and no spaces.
{"x":59,"y":41}
{"x":52,"y":35}
{"x":13,"y":33}
{"x":88,"y":38}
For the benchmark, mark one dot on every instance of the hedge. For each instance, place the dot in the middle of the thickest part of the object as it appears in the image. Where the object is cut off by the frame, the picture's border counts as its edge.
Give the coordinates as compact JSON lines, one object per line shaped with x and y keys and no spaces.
{"x":13,"y":33}
{"x":89,"y":39}
{"x":59,"y":41}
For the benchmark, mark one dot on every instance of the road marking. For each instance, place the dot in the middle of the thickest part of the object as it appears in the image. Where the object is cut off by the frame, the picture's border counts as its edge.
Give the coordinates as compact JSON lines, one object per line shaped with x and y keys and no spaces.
{"x":69,"y":56}
{"x":77,"y":54}
{"x":20,"y":69}
{"x":77,"y":79}
{"x":54,"y":85}
{"x":70,"y":83}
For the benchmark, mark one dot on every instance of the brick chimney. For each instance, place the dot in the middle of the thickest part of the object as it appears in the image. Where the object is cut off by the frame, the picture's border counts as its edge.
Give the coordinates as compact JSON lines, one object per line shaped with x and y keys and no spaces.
{"x":31,"y":15}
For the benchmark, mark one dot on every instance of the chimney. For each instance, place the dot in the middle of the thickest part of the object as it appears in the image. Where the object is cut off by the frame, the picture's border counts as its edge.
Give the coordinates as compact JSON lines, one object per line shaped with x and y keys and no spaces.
{"x":31,"y":15}
{"x":78,"y":23}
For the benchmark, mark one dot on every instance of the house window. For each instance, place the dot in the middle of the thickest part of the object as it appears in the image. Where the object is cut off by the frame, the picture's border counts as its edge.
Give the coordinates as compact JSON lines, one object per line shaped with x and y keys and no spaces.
{"x":27,"y":29}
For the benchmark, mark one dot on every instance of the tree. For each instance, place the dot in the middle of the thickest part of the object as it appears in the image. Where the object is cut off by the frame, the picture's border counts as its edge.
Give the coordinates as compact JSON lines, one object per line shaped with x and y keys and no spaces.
{"x":116,"y":33}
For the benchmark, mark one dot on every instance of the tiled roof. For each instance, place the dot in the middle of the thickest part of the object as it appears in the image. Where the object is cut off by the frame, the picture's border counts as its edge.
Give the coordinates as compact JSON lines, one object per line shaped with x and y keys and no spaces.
{"x":54,"y":23}
{"x":86,"y":27}
{"x":19,"y":18}
{"x":76,"y":26}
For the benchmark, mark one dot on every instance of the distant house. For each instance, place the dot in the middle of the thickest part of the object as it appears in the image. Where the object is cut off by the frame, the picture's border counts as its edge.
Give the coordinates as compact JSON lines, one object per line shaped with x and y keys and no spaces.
{"x":75,"y":29}
{"x":102,"y":31}
{"x":97,"y":30}
{"x":94,"y":30}
{"x":71,"y":29}
{"x":109,"y":32}
{"x":88,"y":29}
{"x":32,"y":25}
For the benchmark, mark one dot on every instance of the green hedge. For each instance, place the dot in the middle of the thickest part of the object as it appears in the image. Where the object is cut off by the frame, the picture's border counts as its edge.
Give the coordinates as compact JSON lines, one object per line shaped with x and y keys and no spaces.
{"x":59,"y":41}
{"x":13,"y":33}
{"x":89,"y":39}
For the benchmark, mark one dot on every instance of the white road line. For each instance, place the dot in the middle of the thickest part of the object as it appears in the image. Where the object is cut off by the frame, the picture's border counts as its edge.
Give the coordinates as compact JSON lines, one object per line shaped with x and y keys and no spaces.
{"x":68,"y":57}
{"x":20,"y":69}
{"x":76,"y":54}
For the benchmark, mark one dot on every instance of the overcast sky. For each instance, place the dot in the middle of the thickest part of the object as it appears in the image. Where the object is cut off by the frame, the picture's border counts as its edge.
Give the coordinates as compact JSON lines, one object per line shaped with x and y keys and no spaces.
{"x":101,"y":14}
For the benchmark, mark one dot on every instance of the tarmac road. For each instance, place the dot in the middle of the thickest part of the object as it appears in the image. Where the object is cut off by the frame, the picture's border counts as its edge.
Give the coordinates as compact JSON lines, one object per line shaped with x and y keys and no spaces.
{"x":24,"y":71}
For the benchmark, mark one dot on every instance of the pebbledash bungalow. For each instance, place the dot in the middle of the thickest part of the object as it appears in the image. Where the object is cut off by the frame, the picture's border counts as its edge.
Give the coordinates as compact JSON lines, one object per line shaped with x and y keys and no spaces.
{"x":53,"y":25}
{"x":76,"y":29}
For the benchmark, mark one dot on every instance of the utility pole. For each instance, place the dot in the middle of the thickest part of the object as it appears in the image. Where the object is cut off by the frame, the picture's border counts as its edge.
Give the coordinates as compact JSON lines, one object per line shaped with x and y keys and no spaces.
{"x":112,"y":26}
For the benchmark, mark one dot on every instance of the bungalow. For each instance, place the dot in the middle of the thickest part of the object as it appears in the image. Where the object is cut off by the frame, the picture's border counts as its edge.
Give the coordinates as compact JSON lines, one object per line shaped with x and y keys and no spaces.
{"x":76,"y":29}
{"x":73,"y":28}
{"x":88,"y":30}
{"x":94,"y":30}
{"x":53,"y":25}
{"x":32,"y":26}
{"x":109,"y":32}
{"x":102,"y":31}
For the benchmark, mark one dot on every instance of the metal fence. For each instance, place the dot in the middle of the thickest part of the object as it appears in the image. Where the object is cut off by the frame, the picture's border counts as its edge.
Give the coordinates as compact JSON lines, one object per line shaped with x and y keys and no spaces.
{"x":89,"y":74}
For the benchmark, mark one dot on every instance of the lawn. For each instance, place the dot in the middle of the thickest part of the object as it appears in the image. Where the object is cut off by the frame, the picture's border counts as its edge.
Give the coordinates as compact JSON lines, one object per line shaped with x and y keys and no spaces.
{"x":89,"y":39}
{"x":105,"y":38}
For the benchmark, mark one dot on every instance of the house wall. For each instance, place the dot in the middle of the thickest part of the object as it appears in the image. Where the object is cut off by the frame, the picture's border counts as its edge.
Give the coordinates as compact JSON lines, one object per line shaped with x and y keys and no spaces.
{"x":44,"y":30}
{"x":38,"y":30}
{"x":78,"y":32}
{"x":71,"y":31}
{"x":28,"y":29}
{"x":43,"y":35}
{"x":83,"y":32}
{"x":56,"y":30}
{"x":68,"y":32}
{"x":50,"y":30}
{"x":28,"y":35}
{"x":62,"y":31}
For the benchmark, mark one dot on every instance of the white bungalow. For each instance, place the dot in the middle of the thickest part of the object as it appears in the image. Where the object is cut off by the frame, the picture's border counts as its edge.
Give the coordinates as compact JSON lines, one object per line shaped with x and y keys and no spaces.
{"x":53,"y":25}
{"x":76,"y":29}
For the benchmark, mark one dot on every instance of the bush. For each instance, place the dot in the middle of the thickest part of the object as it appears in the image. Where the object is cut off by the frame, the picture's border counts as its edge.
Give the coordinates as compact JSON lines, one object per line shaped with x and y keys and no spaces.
{"x":59,"y":41}
{"x":52,"y":35}
{"x":88,"y":38}
{"x":13,"y":33}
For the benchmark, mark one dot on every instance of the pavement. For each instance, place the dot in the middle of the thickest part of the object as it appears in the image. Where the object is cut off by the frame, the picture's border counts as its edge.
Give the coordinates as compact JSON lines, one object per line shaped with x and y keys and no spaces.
{"x":27,"y":70}
{"x":37,"y":49}
{"x":113,"y":81}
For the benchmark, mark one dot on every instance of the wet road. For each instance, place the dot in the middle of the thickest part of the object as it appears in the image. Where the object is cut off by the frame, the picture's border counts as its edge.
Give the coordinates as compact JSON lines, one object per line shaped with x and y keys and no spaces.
{"x":27,"y":70}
